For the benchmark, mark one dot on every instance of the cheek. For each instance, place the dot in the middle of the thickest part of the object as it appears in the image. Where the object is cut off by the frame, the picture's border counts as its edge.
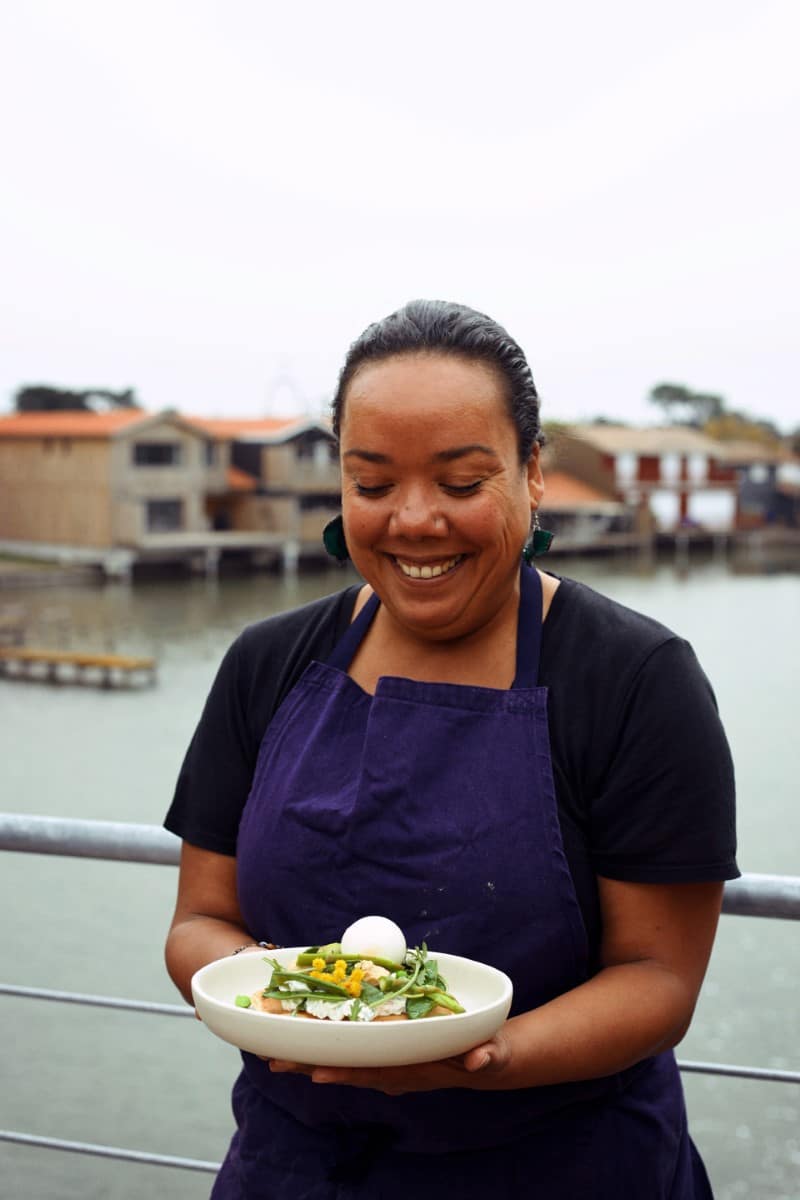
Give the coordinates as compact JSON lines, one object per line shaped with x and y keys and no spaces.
{"x":362,"y":522}
{"x":489,"y":521}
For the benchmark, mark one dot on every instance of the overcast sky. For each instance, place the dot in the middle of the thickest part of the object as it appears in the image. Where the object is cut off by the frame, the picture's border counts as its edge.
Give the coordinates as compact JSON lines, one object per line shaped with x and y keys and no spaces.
{"x":208,"y":201}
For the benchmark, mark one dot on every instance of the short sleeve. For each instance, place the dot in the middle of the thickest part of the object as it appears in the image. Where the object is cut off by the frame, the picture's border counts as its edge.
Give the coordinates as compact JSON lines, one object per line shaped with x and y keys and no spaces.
{"x":257,"y":673}
{"x":214,"y":780}
{"x":664,"y":810}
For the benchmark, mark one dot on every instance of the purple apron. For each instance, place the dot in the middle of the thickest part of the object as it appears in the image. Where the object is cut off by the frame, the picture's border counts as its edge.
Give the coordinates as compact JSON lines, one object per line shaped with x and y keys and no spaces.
{"x":434,"y":804}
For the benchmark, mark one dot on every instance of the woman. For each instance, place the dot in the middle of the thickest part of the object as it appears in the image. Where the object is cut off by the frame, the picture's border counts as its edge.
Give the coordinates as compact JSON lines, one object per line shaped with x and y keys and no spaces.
{"x":387,"y":750}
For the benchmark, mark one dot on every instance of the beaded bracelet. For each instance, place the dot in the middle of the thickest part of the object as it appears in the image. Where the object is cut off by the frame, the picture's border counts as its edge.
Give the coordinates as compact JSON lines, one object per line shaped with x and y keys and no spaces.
{"x":253,"y":946}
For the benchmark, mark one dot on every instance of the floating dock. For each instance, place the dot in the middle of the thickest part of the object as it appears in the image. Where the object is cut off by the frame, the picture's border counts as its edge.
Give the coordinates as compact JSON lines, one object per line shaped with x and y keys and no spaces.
{"x":71,"y":666}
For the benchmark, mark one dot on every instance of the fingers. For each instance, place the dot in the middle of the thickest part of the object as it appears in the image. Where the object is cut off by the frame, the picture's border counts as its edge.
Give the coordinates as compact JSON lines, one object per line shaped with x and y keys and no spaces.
{"x":325,"y":1074}
{"x":485,"y":1060}
{"x":281,"y":1066}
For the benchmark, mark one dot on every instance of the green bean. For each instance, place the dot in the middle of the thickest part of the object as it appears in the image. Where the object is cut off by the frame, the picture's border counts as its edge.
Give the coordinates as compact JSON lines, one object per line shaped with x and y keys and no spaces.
{"x":445,"y":999}
{"x":307,"y":959}
{"x":274,"y":994}
{"x":299,"y":977}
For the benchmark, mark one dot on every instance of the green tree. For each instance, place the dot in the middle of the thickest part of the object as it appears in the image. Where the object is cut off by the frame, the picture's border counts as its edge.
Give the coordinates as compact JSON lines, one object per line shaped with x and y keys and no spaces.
{"x":41,"y":397}
{"x":738,"y":426}
{"x":682,"y":406}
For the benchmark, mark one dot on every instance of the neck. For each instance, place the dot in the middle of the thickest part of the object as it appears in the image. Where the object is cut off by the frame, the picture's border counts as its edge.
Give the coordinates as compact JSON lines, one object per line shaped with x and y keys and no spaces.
{"x":482,"y":657}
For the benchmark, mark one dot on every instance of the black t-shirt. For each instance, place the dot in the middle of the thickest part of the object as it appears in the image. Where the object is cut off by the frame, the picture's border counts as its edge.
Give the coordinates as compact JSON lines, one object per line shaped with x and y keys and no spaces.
{"x":643,"y":773}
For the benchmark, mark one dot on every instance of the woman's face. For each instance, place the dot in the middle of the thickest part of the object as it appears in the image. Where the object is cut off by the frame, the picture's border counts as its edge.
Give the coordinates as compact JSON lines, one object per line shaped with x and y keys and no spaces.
{"x":436,"y":506}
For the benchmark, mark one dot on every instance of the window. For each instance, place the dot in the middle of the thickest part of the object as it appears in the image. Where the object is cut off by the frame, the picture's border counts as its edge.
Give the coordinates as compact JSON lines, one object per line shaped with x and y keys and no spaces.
{"x":156,"y":454}
{"x":321,"y":450}
{"x":164,"y":516}
{"x":211,"y":453}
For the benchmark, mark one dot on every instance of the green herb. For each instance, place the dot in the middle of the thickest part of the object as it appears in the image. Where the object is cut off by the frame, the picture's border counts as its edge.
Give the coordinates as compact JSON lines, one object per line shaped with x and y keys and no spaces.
{"x":415,"y":960}
{"x":371,"y":995}
{"x":430,"y":973}
{"x":418,"y":1006}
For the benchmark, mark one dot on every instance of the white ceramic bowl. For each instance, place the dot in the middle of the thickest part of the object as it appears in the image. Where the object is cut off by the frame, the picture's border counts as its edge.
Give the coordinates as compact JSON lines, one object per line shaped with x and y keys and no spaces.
{"x":483,"y":991}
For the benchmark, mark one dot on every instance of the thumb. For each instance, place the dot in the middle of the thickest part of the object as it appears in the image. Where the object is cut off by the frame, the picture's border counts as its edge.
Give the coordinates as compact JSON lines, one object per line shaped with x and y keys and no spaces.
{"x":491,"y":1056}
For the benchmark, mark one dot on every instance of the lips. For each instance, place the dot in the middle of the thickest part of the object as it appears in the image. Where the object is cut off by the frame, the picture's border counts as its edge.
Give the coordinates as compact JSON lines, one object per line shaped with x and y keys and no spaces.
{"x":428,"y":570}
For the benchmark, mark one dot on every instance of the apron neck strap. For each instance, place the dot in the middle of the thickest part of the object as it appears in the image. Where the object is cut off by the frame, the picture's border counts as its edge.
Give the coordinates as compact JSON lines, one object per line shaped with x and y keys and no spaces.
{"x":529,"y":628}
{"x":345,"y":649}
{"x":529,"y":631}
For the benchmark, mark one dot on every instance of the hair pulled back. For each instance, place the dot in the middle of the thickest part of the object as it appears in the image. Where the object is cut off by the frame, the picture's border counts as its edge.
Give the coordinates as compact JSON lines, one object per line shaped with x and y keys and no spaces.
{"x":442,"y":327}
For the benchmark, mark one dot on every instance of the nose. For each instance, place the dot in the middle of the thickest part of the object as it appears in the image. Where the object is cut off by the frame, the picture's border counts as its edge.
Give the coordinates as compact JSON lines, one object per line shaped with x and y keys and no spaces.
{"x":417,"y":515}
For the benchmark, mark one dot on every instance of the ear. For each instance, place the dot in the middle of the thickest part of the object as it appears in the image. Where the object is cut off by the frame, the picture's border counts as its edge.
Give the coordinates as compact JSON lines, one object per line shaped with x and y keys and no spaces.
{"x":535,"y":480}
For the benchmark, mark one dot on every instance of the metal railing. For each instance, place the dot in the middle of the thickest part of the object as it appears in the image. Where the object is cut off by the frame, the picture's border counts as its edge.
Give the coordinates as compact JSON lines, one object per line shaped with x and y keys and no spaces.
{"x":775,"y":896}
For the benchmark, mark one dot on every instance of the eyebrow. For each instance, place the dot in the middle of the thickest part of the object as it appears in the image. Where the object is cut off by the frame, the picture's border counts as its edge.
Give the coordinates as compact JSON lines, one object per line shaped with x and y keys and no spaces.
{"x":442,"y":456}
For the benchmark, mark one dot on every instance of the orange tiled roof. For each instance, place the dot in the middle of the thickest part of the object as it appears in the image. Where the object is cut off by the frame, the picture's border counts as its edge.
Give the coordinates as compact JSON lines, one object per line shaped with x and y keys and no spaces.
{"x":240,"y":481}
{"x":75,"y":423}
{"x":563,"y":491}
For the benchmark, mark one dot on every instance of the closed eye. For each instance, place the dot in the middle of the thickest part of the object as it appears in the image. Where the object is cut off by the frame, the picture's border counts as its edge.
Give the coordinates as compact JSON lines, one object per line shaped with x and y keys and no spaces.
{"x":465,"y":489}
{"x":380,"y":490}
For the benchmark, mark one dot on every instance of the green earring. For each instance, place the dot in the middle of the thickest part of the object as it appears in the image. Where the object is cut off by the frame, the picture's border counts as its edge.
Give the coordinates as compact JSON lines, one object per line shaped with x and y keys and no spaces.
{"x":334,"y":540}
{"x":539,"y":540}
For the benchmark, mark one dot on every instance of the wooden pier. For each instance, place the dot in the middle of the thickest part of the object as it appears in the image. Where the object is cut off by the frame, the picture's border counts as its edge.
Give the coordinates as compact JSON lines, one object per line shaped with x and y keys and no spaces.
{"x":70,"y":666}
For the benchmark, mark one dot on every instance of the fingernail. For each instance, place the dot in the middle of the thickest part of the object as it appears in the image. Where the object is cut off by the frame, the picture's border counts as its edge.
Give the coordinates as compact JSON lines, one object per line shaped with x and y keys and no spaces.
{"x":483,"y":1062}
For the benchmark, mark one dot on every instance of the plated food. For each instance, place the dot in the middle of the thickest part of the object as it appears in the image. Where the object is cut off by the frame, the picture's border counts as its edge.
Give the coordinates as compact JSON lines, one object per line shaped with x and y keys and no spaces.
{"x":479,"y":996}
{"x":327,"y":984}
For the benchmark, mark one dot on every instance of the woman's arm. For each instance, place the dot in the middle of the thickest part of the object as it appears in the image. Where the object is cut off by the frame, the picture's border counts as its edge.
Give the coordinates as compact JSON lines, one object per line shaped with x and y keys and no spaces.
{"x":207,"y":923}
{"x":656,"y":945}
{"x":657,"y":940}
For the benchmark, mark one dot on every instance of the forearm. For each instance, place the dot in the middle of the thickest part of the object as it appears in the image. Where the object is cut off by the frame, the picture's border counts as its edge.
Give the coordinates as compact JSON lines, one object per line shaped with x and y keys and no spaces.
{"x":195,"y":941}
{"x":622,"y":1015}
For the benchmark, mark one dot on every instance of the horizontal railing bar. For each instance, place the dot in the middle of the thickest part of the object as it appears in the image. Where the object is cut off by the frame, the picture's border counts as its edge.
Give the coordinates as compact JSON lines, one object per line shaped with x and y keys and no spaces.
{"x":752,"y":895}
{"x":183,"y":1010}
{"x":140,"y":1156}
{"x":69,"y":836}
{"x":755,"y":895}
{"x":145,"y":1006}
{"x":764,"y":1073}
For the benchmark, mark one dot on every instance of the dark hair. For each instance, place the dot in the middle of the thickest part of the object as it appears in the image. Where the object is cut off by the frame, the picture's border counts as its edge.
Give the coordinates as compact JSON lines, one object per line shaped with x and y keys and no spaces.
{"x":441,"y":327}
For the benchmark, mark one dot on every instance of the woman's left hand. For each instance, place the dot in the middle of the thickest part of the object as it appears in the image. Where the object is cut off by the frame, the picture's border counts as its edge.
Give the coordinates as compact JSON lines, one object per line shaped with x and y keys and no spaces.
{"x":481,"y":1067}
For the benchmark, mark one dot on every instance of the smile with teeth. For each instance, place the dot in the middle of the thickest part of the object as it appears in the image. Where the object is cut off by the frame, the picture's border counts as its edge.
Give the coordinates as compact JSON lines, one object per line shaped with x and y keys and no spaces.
{"x":428,"y":570}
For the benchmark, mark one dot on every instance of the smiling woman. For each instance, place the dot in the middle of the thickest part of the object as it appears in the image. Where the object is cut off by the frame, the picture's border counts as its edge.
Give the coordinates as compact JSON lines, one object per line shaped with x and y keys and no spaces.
{"x":435,"y":502}
{"x":491,"y":756}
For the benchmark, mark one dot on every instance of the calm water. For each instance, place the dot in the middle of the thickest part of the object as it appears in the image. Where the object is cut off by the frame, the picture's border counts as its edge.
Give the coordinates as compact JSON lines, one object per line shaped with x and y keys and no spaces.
{"x":162,"y":1084}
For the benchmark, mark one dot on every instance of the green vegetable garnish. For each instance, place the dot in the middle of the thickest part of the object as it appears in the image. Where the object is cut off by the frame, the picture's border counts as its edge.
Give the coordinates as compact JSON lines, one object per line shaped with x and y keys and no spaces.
{"x":416,"y":979}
